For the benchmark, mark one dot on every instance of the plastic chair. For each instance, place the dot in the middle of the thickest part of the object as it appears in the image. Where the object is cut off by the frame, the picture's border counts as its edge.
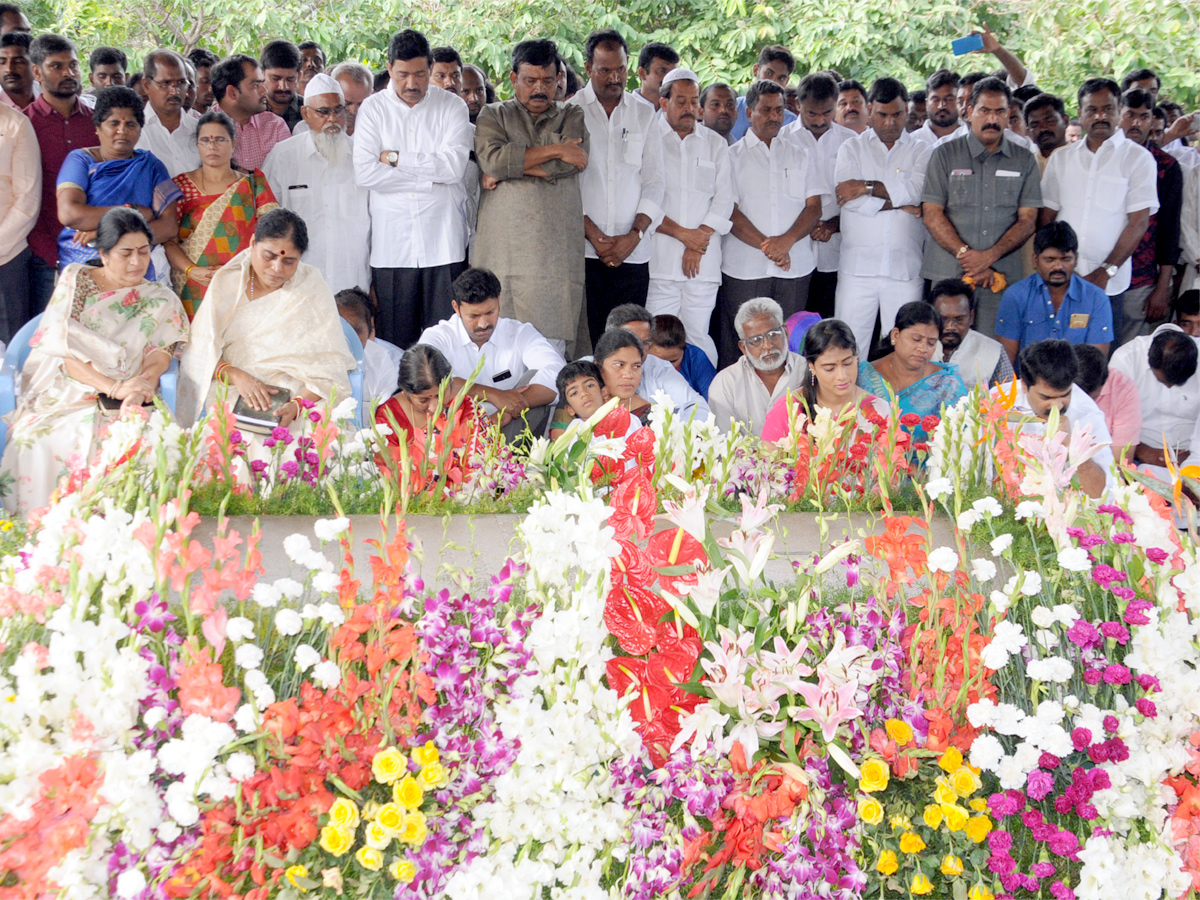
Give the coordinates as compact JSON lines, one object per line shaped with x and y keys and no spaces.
{"x":10,"y":370}
{"x":358,"y":372}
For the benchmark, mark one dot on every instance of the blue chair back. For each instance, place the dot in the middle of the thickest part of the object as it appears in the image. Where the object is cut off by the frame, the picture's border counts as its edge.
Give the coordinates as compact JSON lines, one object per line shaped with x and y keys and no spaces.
{"x":10,"y":371}
{"x":357,"y":374}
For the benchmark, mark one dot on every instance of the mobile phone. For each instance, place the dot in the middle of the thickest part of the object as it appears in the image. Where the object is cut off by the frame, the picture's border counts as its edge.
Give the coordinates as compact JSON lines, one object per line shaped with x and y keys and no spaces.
{"x":967,"y":44}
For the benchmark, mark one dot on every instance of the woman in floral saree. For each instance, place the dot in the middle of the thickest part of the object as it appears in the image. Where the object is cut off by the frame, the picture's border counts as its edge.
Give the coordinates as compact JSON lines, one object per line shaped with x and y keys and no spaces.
{"x":218,"y":213}
{"x":106,"y":331}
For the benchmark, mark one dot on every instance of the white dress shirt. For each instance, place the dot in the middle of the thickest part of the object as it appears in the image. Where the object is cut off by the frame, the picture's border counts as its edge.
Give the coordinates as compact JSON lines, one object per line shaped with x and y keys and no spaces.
{"x":336,"y":210}
{"x":175,"y":149}
{"x":825,"y":151}
{"x":926,"y":134}
{"x":739,"y":394}
{"x":771,"y":186}
{"x":1095,"y":192}
{"x":418,"y":207}
{"x":623,"y":178}
{"x":658,"y":375}
{"x":876,"y":241}
{"x":20,"y":182}
{"x":513,"y":349}
{"x":381,"y":359}
{"x":1082,"y":412}
{"x":698,"y":191}
{"x":1173,"y":411}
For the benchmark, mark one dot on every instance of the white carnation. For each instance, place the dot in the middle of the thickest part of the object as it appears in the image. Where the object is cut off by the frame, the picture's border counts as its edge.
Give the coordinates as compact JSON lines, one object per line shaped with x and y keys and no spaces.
{"x":967,"y":519}
{"x":290,"y":587}
{"x":130,"y":883}
{"x":1074,"y":559}
{"x":327,"y":674}
{"x":298,"y":548}
{"x":986,"y":752}
{"x":988,"y":506}
{"x":326,"y":582}
{"x":288,"y":622}
{"x":248,"y":656}
{"x":1042,"y":617}
{"x":239,"y":628}
{"x":1002,"y":543}
{"x":983,"y":570}
{"x":266,"y":595}
{"x":1030,"y":509}
{"x":329,"y":529}
{"x":943,"y":559}
{"x":240,"y":766}
{"x":306,"y":657}
{"x":939,"y":487}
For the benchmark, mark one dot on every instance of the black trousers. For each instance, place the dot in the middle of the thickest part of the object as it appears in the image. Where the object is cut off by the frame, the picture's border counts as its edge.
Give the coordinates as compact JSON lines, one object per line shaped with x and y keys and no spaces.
{"x":607,"y":287}
{"x":15,"y":294}
{"x":821,"y":291}
{"x":790,"y":293}
{"x":410,"y":300}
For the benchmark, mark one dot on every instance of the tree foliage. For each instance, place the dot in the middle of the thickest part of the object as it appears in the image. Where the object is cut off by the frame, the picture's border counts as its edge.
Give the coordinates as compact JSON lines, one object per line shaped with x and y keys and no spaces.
{"x":1062,"y":41}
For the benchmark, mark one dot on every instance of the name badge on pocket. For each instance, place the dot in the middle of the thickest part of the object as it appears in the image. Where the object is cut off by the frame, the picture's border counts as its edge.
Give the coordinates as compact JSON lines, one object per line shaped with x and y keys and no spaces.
{"x":1078,"y":320}
{"x":960,"y":173}
{"x":1004,"y":173}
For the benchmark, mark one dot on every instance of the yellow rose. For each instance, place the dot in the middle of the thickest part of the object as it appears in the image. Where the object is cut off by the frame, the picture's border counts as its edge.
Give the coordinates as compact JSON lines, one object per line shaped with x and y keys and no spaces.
{"x":887,"y":864}
{"x":951,"y":760}
{"x":932,"y":815}
{"x":898,"y":731}
{"x":426,"y":755}
{"x":981,"y":892}
{"x":378,"y":837}
{"x":391,"y":818}
{"x":870,"y":810}
{"x":920,"y":884}
{"x":403,"y":871}
{"x":415,"y":830}
{"x":875,"y":774}
{"x":945,"y":792}
{"x":910,"y":842}
{"x":370,"y":809}
{"x":343,"y":813}
{"x":952,"y":866}
{"x":978,"y":828}
{"x":294,"y":872}
{"x":431,"y":775}
{"x":965,"y":782}
{"x":978,"y":804}
{"x":902,"y":822}
{"x":336,"y":841}
{"x":369,"y":858}
{"x":388,"y":765}
{"x":956,"y":817}
{"x":408,"y":792}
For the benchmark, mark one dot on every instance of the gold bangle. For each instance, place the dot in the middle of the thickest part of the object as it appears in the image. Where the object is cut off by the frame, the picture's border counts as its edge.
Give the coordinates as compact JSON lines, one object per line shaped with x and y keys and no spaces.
{"x":221,"y":372}
{"x":187,"y":273}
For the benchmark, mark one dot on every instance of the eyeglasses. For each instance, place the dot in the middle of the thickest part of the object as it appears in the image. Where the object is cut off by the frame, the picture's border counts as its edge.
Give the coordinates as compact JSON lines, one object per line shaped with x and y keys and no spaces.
{"x":212,"y":141}
{"x":325,"y":112}
{"x":169,"y":86}
{"x":773,"y":335}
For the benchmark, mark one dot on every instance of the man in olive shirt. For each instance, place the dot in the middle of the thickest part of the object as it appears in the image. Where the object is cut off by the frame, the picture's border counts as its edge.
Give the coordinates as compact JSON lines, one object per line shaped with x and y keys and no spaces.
{"x":530,"y":230}
{"x":980,"y":203}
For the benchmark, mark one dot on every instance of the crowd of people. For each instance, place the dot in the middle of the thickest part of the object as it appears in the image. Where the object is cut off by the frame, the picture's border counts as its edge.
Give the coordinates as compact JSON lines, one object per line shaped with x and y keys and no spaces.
{"x":804,"y":242}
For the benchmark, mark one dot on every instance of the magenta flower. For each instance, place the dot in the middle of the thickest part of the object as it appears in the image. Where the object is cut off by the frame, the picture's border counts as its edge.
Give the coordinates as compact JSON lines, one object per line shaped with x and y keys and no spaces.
{"x":1083,"y":633}
{"x":1111,"y":724}
{"x":1061,"y":891}
{"x":1001,"y":864}
{"x":1117,"y":674}
{"x":1039,"y":784}
{"x":1147,"y":708}
{"x":1092,"y":676}
{"x":1155,"y":555}
{"x":1064,"y":843}
{"x":1048,"y":761}
{"x":1148,"y":683}
{"x":1081,"y":738}
{"x":999,"y":841}
{"x":1134,"y":612}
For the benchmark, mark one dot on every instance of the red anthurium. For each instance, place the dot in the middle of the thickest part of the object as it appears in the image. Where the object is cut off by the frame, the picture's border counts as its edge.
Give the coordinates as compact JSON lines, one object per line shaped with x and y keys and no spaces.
{"x":615,"y":424}
{"x":675,"y":547}
{"x":632,"y":613}
{"x":631,"y":566}
{"x":634,"y":504}
{"x":640,"y":447}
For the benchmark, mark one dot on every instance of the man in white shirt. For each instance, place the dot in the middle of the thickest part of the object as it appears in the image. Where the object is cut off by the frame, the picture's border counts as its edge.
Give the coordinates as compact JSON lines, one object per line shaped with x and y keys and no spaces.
{"x":411,"y":144}
{"x":655,"y":61}
{"x":1163,"y":368}
{"x":658,"y":375}
{"x":777,"y":191}
{"x":170,"y":130}
{"x":746,"y":391}
{"x":20,"y":201}
{"x":1106,"y":187}
{"x":816,"y":131}
{"x":312,"y":173}
{"x":879,"y":177}
{"x":622,"y":186}
{"x":941,"y":106}
{"x":1047,"y":371}
{"x":685,"y":259}
{"x":519,"y":366}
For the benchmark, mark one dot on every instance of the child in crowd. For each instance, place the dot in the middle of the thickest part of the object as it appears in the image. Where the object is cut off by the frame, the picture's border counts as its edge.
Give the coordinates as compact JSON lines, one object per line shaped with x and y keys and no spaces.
{"x":381,"y":359}
{"x":581,"y":388}
{"x":585,"y":385}
{"x":668,"y":340}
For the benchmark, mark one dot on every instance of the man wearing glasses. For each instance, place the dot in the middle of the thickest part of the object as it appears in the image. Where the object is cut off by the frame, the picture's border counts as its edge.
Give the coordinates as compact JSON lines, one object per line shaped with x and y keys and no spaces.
{"x":170,"y":131}
{"x":312,"y":173}
{"x":745,"y":391}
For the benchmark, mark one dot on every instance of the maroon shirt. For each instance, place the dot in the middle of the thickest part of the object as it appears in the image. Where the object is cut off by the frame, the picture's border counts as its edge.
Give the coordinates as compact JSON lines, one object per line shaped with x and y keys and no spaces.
{"x":56,"y":137}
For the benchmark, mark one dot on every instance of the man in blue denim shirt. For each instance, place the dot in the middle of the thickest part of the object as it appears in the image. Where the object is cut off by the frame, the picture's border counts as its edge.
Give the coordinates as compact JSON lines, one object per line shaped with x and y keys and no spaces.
{"x":1054,"y":302}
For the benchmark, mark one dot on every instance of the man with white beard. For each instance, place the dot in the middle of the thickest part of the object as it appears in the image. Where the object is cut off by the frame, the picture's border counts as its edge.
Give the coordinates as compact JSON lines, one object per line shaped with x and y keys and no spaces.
{"x":313,"y":174}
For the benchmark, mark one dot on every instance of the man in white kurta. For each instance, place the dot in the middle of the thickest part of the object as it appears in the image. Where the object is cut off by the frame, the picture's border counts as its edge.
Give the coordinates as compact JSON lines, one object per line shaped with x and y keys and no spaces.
{"x":685,"y":258}
{"x":312,"y":173}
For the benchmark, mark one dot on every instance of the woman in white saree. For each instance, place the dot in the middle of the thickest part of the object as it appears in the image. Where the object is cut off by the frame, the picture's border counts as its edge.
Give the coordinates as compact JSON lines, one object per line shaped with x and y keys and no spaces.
{"x":107,"y":335}
{"x":268,"y":321}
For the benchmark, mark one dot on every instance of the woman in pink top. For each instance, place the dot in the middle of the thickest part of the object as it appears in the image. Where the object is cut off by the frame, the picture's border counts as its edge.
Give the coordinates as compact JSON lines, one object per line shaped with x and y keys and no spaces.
{"x":1115,"y":394}
{"x":831,"y":353}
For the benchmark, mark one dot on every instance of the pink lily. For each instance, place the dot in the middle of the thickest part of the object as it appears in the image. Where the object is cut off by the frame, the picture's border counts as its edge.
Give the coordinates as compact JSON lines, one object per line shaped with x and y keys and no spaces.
{"x":828,"y":706}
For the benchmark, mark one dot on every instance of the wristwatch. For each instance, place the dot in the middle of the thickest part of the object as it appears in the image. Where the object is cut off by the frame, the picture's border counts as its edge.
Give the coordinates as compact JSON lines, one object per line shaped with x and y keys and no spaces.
{"x":869,"y":187}
{"x":1111,"y":270}
{"x":638,"y":231}
{"x":392,"y":158}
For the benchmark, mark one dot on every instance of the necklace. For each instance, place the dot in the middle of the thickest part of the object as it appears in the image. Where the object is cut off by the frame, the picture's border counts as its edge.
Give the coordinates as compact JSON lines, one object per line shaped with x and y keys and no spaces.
{"x":250,"y":285}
